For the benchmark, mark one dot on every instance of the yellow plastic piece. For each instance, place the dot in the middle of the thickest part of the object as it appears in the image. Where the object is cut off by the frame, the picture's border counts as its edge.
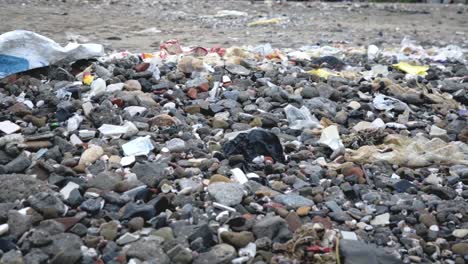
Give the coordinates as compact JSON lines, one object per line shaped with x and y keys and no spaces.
{"x":322,"y":73}
{"x":411,"y":69}
{"x":264,"y":22}
{"x":88,"y":79}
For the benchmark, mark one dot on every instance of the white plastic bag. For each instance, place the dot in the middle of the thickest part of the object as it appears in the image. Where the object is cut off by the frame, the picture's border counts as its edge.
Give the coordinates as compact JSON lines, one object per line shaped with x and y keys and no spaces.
{"x":22,"y":50}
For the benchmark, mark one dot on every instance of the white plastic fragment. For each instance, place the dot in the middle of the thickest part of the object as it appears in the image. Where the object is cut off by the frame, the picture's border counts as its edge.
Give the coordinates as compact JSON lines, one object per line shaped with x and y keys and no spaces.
{"x":141,"y":146}
{"x":75,"y":140}
{"x":387,"y":103}
{"x":4,"y":228}
{"x":372,"y":52}
{"x":98,"y":87}
{"x":73,"y":123}
{"x":115,"y":87}
{"x":230,"y":13}
{"x":348,"y":235}
{"x":248,"y":251}
{"x":87,"y":108}
{"x":239,"y":176}
{"x":364,"y":125}
{"x":135,"y":110}
{"x":9,"y":127}
{"x":224,"y":207}
{"x":127,"y":161}
{"x":112,"y":130}
{"x":331,"y":138}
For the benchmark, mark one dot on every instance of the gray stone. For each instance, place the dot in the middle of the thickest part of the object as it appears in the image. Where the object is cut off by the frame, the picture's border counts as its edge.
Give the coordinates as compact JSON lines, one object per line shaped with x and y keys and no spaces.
{"x":18,"y":223}
{"x":322,"y":104}
{"x":309,"y":92}
{"x":35,"y":256}
{"x":150,"y":173}
{"x":237,"y":69}
{"x":65,"y":248}
{"x":180,"y":255}
{"x":229,"y":194}
{"x":49,"y":205}
{"x":104,"y":181}
{"x":19,"y":164}
{"x":176,"y":145}
{"x":340,"y":216}
{"x":293,"y":200}
{"x":12,"y":257}
{"x":92,"y":206}
{"x":19,"y":186}
{"x":273,"y":227}
{"x":356,"y":252}
{"x":219,"y":254}
{"x":148,"y":250}
{"x":333,"y":206}
{"x":109,"y":230}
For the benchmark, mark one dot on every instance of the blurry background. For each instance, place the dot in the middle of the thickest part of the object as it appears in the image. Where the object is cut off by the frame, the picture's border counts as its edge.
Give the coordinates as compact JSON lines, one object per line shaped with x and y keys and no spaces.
{"x":142,"y":24}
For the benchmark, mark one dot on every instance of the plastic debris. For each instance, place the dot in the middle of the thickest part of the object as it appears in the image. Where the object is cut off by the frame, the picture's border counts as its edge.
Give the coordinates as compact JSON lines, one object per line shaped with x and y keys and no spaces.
{"x":331,"y":138}
{"x":322,"y":73}
{"x":140,"y":146}
{"x":22,"y":50}
{"x":230,"y":13}
{"x":265,"y":22}
{"x":411,"y":152}
{"x":9,"y":127}
{"x":300,"y":118}
{"x":412,"y":69}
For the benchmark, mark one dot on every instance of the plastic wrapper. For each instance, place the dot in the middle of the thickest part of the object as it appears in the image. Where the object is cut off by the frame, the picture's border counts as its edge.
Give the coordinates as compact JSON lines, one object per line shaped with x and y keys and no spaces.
{"x":22,"y":50}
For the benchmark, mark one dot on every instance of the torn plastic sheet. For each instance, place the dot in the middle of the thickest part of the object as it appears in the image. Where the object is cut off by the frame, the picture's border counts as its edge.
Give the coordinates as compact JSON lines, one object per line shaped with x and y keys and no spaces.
{"x":300,"y":118}
{"x":411,"y":152}
{"x":387,"y":103}
{"x":22,"y":50}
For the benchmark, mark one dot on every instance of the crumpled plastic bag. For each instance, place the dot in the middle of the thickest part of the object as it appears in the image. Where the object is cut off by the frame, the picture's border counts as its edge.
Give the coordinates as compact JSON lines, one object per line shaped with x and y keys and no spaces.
{"x":255,"y":143}
{"x":22,"y":50}
{"x":300,"y":118}
{"x":411,"y":152}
